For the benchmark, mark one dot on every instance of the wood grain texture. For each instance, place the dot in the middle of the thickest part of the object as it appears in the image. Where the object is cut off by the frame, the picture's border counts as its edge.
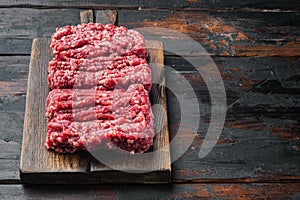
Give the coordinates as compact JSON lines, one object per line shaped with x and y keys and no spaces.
{"x":158,"y":167}
{"x":13,"y":78}
{"x":21,"y":25}
{"x":281,"y":119}
{"x":86,"y":16}
{"x":257,"y":52}
{"x":106,"y":16}
{"x":235,"y":33}
{"x":32,"y":162}
{"x":41,"y":166}
{"x":260,"y":139}
{"x":156,"y":163}
{"x":157,"y":4}
{"x":224,"y":33}
{"x":37,"y":164}
{"x":269,"y":191}
{"x":260,"y":142}
{"x":276,"y":128}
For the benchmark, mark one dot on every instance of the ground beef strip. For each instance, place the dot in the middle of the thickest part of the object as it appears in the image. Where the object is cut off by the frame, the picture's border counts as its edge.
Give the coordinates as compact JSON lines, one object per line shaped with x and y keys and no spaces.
{"x":95,"y":64}
{"x":120,"y":73}
{"x":130,"y":121}
{"x":96,"y":104}
{"x":68,"y":137}
{"x":91,"y":51}
{"x":94,"y":39}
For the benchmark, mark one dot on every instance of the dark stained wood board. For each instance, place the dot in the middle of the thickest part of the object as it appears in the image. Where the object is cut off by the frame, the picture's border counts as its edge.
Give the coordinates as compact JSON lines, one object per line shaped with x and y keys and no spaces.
{"x":241,"y":120}
{"x":235,"y":33}
{"x":188,"y":191}
{"x":156,"y":4}
{"x":261,"y":138}
{"x":158,"y":171}
{"x":158,"y":165}
{"x":37,"y":164}
{"x":81,"y":167}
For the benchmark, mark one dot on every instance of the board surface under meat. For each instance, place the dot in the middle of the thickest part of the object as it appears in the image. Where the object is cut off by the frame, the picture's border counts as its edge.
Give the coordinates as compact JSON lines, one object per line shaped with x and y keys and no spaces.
{"x":100,"y":82}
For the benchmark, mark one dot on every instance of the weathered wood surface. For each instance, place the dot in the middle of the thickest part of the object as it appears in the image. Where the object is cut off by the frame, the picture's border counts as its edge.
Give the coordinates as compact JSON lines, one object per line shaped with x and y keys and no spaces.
{"x":14,"y":69}
{"x":86,"y":16}
{"x":158,"y":164}
{"x":270,"y":136}
{"x":226,"y":33}
{"x":37,"y":164}
{"x":233,"y":33}
{"x":260,"y":142}
{"x":280,"y":191}
{"x":156,"y":4}
{"x":276,"y":129}
{"x":41,"y":166}
{"x":106,"y":16}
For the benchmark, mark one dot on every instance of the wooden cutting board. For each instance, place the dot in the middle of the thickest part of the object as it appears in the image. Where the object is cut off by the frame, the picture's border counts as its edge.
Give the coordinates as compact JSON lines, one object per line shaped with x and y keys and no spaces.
{"x":41,"y":166}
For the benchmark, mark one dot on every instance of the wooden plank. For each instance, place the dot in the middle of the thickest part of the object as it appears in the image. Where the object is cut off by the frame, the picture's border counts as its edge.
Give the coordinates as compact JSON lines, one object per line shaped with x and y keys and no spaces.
{"x":37,"y":164}
{"x":13,"y":87}
{"x":171,"y":191}
{"x":106,"y":16}
{"x":234,"y":33}
{"x":69,"y":168}
{"x":74,"y":167}
{"x":17,"y":32}
{"x":211,"y":191}
{"x":13,"y":72}
{"x":222,"y":33}
{"x":73,"y":191}
{"x":243,"y":123}
{"x":245,"y":126}
{"x":262,"y":129}
{"x":158,"y":165}
{"x":14,"y":67}
{"x":9,"y":160}
{"x":175,"y":4}
{"x":86,"y":16}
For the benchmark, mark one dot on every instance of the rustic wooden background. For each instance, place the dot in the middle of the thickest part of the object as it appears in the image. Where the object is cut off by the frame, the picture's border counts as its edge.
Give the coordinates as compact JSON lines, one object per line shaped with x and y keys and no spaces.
{"x":256,"y":47}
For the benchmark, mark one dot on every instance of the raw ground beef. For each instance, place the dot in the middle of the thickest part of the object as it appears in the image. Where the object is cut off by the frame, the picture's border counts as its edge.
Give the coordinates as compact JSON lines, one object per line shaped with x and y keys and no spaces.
{"x":71,"y":104}
{"x":128,"y":122}
{"x":94,"y":40}
{"x":120,"y":72}
{"x":110,"y":105}
{"x":95,"y":64}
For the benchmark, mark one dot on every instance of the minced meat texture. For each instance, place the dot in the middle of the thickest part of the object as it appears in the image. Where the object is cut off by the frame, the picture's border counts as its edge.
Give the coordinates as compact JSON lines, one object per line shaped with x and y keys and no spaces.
{"x":68,"y":137}
{"x":95,"y":64}
{"x":119,"y":72}
{"x":73,"y":104}
{"x":100,"y":82}
{"x":130,"y":118}
{"x":94,"y":40}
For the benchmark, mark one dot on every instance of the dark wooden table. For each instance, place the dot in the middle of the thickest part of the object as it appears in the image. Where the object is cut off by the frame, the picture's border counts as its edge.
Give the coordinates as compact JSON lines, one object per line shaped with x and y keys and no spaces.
{"x":256,"y":47}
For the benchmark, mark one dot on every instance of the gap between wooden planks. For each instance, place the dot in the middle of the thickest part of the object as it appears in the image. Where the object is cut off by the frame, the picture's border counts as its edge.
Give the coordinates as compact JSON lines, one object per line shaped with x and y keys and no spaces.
{"x":41,"y":166}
